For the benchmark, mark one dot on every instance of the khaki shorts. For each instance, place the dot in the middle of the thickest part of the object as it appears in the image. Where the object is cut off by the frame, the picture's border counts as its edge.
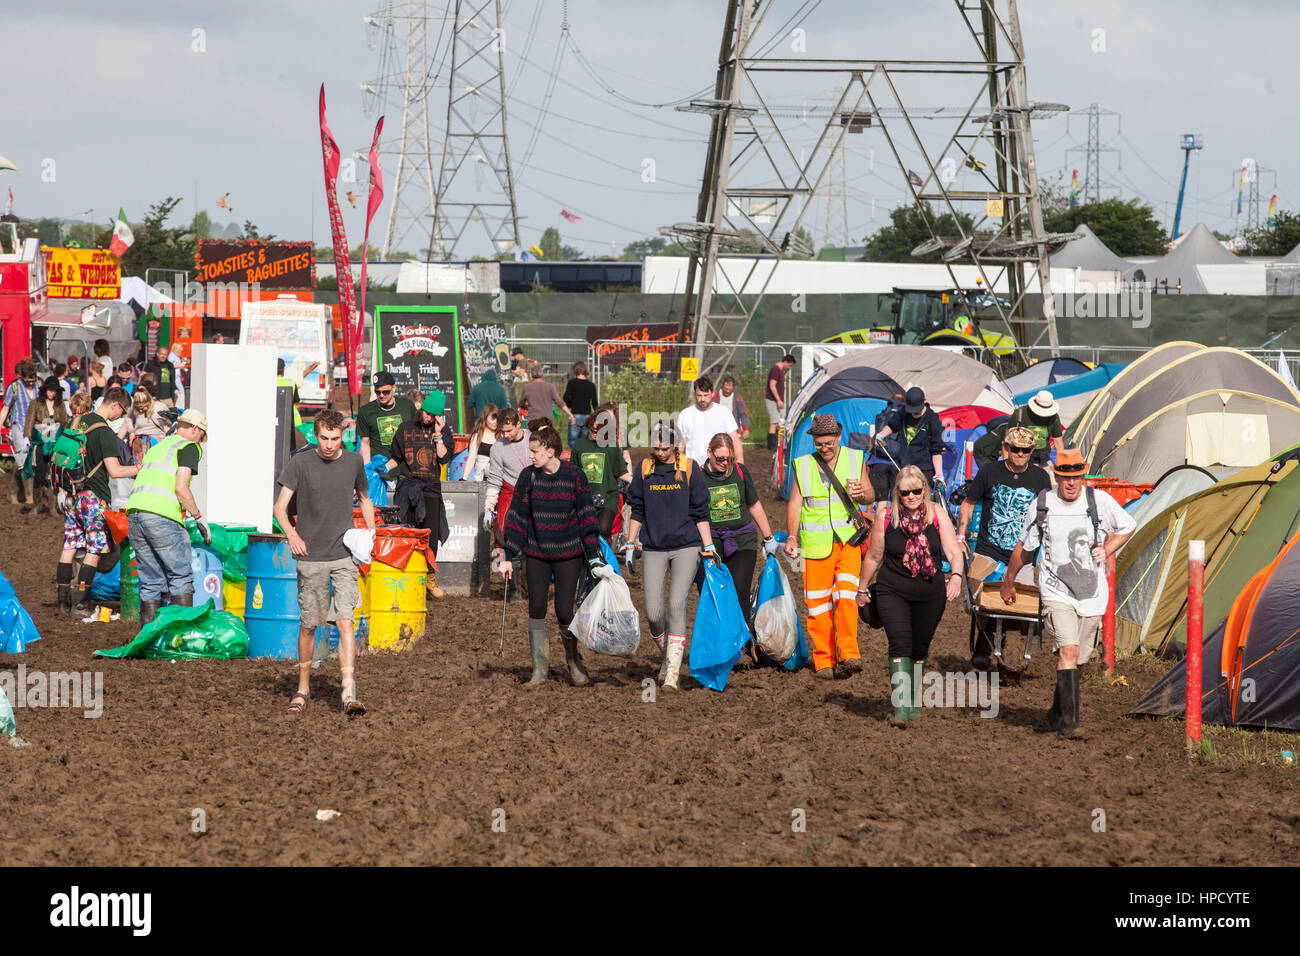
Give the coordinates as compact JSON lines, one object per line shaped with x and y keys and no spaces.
{"x":1063,"y":625}
{"x":316,"y":606}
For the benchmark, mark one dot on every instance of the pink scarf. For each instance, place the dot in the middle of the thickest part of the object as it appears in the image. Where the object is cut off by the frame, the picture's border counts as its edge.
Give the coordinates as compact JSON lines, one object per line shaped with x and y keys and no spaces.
{"x":916,"y":555}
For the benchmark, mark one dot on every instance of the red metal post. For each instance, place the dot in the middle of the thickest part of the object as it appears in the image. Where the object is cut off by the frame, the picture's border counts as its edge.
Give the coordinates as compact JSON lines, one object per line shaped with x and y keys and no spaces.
{"x":1195,"y":608}
{"x":1108,"y":622}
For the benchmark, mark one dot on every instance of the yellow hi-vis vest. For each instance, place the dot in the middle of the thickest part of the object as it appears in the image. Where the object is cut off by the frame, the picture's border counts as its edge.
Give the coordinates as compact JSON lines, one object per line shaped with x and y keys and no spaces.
{"x":155,"y":484}
{"x":823,"y":518}
{"x":281,"y":381}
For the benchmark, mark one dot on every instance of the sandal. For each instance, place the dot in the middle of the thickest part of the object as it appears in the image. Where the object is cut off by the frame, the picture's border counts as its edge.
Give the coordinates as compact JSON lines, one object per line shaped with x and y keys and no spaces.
{"x":353,"y":708}
{"x":298,"y":703}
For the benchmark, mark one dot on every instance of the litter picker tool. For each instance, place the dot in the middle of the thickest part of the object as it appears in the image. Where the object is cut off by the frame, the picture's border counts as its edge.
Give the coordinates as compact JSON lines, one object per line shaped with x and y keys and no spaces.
{"x":505,"y":599}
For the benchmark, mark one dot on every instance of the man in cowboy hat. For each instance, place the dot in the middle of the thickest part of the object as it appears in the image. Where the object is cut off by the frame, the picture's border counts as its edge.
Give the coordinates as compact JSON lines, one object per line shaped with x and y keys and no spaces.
{"x":1073,"y":592}
{"x":154,"y":521}
{"x":821,"y":525}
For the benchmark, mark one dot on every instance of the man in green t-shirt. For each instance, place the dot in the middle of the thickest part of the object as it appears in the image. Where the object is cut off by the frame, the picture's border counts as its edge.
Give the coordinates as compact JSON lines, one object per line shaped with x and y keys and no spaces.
{"x":378,"y":421}
{"x":83,"y":512}
{"x":604,"y":465}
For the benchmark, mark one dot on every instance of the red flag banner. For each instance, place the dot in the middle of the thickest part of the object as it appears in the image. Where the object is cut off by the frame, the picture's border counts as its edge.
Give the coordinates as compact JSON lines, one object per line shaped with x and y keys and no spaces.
{"x":372,"y":204}
{"x":342,"y":263}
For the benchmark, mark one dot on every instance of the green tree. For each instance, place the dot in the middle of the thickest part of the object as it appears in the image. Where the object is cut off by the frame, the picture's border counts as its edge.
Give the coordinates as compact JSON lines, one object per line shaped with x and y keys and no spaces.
{"x":47,"y":230}
{"x":1127,"y":226}
{"x":250,"y":231}
{"x":1275,"y":240}
{"x":907,"y":230}
{"x":201,"y":226}
{"x":550,"y":244}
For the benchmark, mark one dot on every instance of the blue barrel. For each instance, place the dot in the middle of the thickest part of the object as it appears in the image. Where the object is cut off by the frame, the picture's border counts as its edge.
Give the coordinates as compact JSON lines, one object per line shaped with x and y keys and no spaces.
{"x":207,"y":575}
{"x":271,"y":598}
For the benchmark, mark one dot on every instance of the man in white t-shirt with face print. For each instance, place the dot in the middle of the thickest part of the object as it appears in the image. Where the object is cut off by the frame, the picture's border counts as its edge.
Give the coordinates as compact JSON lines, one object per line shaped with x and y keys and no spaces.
{"x":1077,"y":531}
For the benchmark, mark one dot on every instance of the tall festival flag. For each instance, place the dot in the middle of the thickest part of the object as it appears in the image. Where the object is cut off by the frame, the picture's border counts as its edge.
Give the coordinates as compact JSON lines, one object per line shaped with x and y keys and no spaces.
{"x":1074,"y":189}
{"x":372,"y":204}
{"x":342,"y":262}
{"x":1272,"y":210}
{"x":1241,"y":188}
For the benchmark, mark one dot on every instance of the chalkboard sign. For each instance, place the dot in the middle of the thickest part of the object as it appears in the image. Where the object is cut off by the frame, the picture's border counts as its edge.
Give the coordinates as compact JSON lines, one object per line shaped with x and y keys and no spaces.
{"x":486,"y":346}
{"x":420,"y":346}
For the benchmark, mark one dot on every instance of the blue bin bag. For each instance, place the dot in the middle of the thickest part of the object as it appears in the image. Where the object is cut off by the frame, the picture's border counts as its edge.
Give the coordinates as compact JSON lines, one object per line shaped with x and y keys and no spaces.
{"x":107,"y":585}
{"x":16,"y":627}
{"x":376,"y":469}
{"x":720,"y":630}
{"x":609,"y":557}
{"x":456,"y":467}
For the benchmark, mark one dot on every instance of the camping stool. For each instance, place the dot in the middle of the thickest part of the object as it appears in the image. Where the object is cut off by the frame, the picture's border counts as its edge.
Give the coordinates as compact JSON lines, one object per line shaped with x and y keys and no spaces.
{"x":988,"y":612}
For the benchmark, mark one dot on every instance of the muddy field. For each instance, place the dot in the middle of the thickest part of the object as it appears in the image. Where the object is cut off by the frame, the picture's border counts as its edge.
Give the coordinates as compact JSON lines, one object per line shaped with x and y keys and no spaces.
{"x":453,"y":743}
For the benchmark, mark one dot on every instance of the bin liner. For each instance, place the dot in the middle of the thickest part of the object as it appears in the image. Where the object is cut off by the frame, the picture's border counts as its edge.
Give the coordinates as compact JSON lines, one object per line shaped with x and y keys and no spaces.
{"x":394,"y":546}
{"x":376,"y":471}
{"x":607,"y":621}
{"x":186,"y":634}
{"x":16,"y":627}
{"x":230,"y":544}
{"x":720,"y":630}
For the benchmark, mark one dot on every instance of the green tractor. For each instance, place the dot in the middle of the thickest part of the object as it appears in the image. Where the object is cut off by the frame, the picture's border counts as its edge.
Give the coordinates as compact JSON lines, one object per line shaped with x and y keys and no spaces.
{"x":936,"y":316}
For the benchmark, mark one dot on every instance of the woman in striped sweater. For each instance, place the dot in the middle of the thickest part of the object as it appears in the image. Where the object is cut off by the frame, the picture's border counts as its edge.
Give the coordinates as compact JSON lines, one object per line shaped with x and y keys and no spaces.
{"x":552,"y":522}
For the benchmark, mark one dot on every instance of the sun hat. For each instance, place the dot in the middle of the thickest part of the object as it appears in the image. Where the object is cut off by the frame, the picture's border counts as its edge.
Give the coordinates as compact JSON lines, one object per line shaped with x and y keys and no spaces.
{"x":825,"y":424}
{"x":1044,"y":404}
{"x":193,"y":416}
{"x":915,"y":400}
{"x":1070,"y":463}
{"x":1018,"y":437}
{"x":435,"y":403}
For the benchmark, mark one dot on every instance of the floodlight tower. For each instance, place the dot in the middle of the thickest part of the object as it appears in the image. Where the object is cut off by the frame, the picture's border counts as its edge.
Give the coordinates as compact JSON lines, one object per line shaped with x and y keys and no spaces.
{"x":1191,"y":141}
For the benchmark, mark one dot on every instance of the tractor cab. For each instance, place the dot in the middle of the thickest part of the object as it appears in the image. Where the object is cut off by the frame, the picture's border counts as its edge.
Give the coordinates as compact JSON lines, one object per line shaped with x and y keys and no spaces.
{"x":939,"y":315}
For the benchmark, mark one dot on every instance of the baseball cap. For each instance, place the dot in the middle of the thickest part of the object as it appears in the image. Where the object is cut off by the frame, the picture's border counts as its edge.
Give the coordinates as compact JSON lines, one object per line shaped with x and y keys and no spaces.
{"x":915,"y":400}
{"x":384,"y":378}
{"x":193,"y":416}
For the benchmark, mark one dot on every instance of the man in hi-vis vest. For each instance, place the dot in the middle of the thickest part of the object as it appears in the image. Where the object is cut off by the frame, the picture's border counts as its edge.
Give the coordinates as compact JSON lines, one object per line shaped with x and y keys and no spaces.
{"x":157,"y":529}
{"x":818,"y":515}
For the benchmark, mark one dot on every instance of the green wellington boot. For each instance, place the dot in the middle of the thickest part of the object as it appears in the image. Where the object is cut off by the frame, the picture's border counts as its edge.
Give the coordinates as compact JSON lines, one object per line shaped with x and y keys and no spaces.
{"x":900,"y":690}
{"x":573,"y":659}
{"x":918,"y":673}
{"x":537,"y":642}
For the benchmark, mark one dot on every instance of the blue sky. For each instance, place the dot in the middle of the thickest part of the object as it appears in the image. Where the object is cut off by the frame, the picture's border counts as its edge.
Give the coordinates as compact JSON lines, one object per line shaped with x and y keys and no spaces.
{"x":119,"y":105}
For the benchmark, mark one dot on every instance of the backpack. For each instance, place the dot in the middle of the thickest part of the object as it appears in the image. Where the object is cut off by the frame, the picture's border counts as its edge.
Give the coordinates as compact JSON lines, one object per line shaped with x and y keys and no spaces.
{"x":68,"y":459}
{"x":1040,"y":519}
{"x":648,"y":465}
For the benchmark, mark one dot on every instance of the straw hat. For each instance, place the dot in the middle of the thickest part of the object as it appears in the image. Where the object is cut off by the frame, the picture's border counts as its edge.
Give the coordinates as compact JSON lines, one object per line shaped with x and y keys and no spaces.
{"x":1044,"y":404}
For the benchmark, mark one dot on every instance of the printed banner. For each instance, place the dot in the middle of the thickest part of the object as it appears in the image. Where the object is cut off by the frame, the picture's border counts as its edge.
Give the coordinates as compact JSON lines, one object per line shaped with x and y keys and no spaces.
{"x":342,"y":260}
{"x":417,"y":344}
{"x":620,"y":344}
{"x":273,"y":265}
{"x":82,"y":273}
{"x":484,"y":347}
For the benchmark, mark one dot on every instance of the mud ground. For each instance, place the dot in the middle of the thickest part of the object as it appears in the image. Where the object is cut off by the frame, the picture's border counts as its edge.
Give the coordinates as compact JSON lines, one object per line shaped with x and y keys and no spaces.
{"x":453,"y":744}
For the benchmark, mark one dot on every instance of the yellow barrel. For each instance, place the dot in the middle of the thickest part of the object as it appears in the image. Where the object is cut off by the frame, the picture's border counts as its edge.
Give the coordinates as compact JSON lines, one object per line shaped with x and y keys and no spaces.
{"x":233,"y":596}
{"x":393,"y":599}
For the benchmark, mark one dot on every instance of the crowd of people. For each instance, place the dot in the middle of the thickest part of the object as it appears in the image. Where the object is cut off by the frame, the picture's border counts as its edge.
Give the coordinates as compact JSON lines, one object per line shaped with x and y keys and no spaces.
{"x":872,"y":546}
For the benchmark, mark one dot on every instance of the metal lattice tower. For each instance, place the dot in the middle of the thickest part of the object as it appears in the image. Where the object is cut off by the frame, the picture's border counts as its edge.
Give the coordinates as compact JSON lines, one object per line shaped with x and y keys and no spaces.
{"x":444,"y":179}
{"x":475,"y":183}
{"x":995,"y":122}
{"x":407,"y":75}
{"x":1092,"y":150}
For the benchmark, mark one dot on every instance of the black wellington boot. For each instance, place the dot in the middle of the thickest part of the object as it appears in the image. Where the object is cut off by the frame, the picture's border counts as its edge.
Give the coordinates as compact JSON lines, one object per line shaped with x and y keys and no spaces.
{"x":181,"y":599}
{"x":148,"y":611}
{"x":1068,"y":682}
{"x":537,"y":643}
{"x":1054,"y":715}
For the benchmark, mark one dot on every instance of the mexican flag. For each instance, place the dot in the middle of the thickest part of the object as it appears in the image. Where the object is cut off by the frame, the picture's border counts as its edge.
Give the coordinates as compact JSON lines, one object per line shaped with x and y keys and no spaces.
{"x":122,"y":235}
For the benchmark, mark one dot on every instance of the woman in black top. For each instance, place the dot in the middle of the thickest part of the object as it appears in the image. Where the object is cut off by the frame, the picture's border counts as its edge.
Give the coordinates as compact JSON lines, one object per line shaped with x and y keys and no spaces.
{"x":909,"y":540}
{"x":580,"y":397}
{"x":420,"y":447}
{"x":552,"y":523}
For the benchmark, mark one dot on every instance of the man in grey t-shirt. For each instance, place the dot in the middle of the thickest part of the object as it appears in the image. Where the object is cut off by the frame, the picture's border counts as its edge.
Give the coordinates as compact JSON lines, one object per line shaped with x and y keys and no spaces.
{"x":323,"y":481}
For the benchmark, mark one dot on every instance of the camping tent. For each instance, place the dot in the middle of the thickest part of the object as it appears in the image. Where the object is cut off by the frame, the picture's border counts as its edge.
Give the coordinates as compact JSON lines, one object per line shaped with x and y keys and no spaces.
{"x":1172,"y":487}
{"x":1179,"y":266}
{"x":1084,"y":428}
{"x":1218,"y":408}
{"x":1044,"y":373}
{"x":1075,"y":393}
{"x":1250,"y":670}
{"x":1243,"y":520}
{"x":849,"y":388}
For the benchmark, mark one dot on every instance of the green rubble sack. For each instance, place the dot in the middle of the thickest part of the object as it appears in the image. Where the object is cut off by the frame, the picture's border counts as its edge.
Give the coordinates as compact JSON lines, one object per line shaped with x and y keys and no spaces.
{"x":230,"y":544}
{"x":187,"y":634}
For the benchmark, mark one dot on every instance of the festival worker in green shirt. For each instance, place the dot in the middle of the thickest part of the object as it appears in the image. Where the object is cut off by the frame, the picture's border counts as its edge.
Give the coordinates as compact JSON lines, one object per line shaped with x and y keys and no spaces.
{"x":604,"y":464}
{"x":736,"y":519}
{"x":378,"y":421}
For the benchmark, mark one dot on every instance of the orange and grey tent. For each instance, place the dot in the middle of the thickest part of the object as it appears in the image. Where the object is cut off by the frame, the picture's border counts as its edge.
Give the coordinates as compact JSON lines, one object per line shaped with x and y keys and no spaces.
{"x":1250,"y":670}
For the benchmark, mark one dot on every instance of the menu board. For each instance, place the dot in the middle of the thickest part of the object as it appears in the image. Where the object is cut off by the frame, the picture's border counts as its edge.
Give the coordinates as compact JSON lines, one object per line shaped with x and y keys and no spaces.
{"x":420,"y":346}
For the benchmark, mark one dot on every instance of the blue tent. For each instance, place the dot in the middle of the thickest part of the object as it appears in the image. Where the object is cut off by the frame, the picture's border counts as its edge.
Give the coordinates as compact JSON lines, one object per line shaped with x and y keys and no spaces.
{"x":855,"y":394}
{"x":1040,"y":375}
{"x":1074,"y":385}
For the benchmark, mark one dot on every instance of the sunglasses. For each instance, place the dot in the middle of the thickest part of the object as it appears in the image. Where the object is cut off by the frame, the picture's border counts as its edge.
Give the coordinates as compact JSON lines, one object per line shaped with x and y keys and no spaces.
{"x":910,"y":492}
{"x":1019,"y":450}
{"x":722,"y":458}
{"x":384,"y":391}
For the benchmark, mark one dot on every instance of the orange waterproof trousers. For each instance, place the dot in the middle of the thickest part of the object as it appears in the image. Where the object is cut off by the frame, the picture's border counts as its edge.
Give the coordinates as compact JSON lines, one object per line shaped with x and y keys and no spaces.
{"x":831,"y":593}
